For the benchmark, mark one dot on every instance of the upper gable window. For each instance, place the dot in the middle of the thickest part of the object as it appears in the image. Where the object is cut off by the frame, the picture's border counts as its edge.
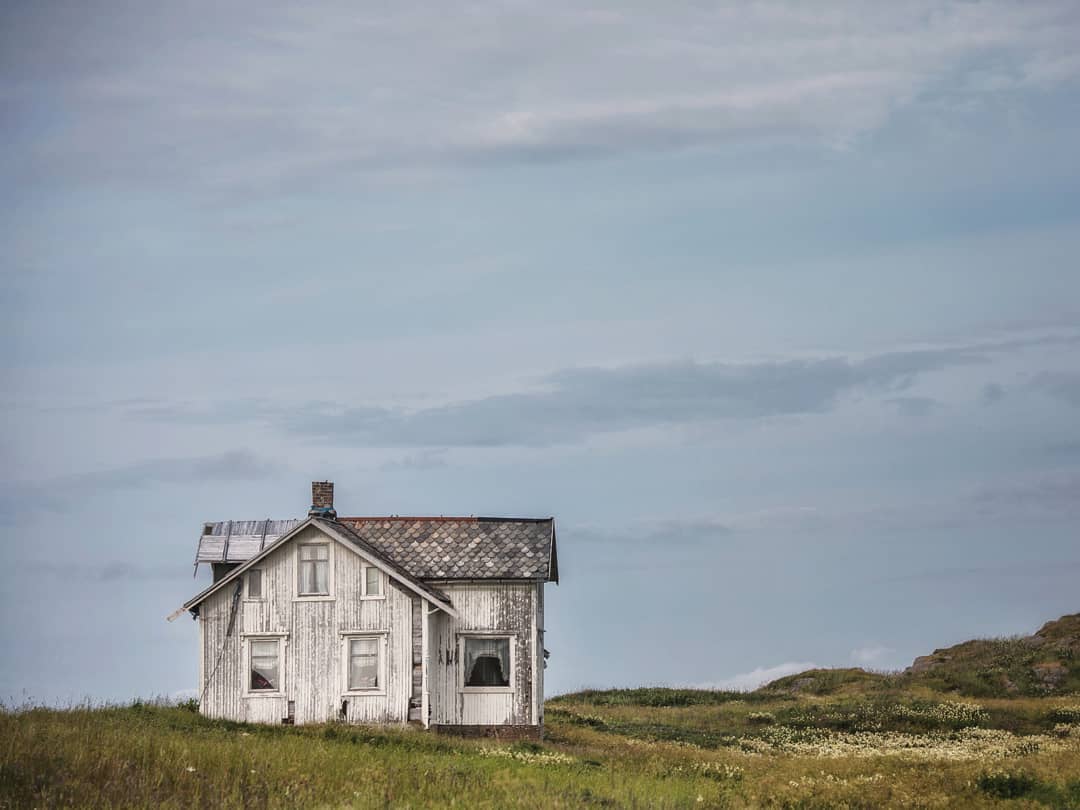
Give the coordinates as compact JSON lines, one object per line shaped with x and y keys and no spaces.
{"x":314,"y":569}
{"x":372,"y":583}
{"x":255,"y":583}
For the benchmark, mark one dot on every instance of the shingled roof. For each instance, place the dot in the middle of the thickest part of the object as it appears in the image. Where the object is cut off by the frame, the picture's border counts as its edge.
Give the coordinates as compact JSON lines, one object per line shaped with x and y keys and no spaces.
{"x":425,"y":547}
{"x":465,"y":548}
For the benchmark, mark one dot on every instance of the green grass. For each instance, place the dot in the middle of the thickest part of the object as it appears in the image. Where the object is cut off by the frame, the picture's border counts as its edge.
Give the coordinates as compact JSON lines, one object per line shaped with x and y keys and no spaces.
{"x":981,"y":727}
{"x":620,"y":748}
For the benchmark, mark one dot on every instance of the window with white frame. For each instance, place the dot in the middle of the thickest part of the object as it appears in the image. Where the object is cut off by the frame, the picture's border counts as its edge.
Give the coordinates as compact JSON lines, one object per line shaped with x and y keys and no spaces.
{"x":364,"y":663}
{"x":255,"y":583}
{"x":372,"y":582}
{"x":313,"y":569}
{"x":487,"y":662}
{"x":264,"y":665}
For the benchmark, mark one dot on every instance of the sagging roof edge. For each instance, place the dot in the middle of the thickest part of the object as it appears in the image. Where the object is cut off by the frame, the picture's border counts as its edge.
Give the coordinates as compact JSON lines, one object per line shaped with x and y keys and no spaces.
{"x":334,"y":532}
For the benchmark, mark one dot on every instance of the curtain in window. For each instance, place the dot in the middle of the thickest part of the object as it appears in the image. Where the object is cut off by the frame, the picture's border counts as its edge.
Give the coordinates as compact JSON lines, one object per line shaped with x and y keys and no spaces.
{"x":264,"y":665}
{"x":371,"y":587}
{"x":487,"y":662}
{"x":314,"y":568}
{"x":364,"y":663}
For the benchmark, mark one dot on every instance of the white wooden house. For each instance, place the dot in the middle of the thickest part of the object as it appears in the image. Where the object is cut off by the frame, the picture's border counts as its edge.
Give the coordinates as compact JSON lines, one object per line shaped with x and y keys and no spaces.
{"x":439,"y":621}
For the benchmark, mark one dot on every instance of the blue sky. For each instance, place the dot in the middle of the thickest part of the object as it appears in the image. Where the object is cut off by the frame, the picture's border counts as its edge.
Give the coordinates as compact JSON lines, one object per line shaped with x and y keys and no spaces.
{"x":776,"y":310}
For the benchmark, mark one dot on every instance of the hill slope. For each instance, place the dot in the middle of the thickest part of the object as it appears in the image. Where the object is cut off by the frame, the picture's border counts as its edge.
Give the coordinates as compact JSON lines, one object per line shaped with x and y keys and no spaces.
{"x":1046,"y":663}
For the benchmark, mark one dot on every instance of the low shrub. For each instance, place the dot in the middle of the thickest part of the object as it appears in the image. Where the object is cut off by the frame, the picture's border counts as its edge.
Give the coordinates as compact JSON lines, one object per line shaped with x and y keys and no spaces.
{"x":1006,"y":784}
{"x":1065,"y":714}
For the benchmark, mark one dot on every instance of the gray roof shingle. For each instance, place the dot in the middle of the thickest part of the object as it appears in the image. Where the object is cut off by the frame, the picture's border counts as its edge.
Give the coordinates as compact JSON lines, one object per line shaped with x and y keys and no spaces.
{"x":425,"y":547}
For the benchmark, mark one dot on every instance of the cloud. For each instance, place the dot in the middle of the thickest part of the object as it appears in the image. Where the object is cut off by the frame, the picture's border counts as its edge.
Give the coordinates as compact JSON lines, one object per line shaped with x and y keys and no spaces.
{"x":914,"y":407}
{"x":666,"y":533}
{"x":574,"y":404}
{"x":255,"y":97}
{"x":1062,"y":385}
{"x":873,"y":654}
{"x":748,"y":681}
{"x":424,"y":460}
{"x":1027,"y":501}
{"x":98,"y":572}
{"x":1041,"y":571}
{"x":1069,"y":450}
{"x":21,"y":497}
{"x":992,"y":393}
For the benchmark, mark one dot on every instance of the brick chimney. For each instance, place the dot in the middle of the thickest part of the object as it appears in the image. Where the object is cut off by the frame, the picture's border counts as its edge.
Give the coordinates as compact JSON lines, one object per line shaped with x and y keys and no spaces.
{"x":322,"y":500}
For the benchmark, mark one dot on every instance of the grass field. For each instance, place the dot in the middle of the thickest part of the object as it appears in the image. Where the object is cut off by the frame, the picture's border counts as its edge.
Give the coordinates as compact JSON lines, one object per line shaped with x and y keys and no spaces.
{"x":991,"y":723}
{"x":881,"y":746}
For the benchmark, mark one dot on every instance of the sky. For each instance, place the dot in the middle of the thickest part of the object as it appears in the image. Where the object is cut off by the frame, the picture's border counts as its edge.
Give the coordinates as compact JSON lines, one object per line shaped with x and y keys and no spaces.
{"x":776,"y":309}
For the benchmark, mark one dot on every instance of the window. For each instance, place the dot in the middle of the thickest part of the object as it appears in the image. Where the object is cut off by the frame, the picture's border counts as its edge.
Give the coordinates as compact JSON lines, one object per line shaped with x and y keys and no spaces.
{"x":487,"y":661}
{"x":364,"y":663}
{"x":255,"y":583}
{"x":314,"y":570}
{"x":372,"y":581}
{"x":265,"y":665}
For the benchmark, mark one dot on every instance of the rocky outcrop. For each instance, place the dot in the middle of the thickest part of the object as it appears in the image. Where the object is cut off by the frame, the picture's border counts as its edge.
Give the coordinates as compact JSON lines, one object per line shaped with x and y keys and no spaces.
{"x":1045,"y":662}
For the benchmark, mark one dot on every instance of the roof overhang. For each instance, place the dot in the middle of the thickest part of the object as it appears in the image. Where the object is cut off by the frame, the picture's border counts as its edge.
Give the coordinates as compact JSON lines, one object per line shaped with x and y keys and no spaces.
{"x":553,"y":557}
{"x":335,"y":532}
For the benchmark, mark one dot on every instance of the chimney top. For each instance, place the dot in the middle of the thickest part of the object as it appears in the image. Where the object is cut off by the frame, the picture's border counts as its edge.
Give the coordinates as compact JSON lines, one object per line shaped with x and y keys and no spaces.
{"x":322,"y":500}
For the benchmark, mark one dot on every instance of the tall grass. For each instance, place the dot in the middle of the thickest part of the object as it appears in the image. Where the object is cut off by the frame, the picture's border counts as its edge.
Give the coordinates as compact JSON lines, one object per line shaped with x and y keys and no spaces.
{"x":624,"y":748}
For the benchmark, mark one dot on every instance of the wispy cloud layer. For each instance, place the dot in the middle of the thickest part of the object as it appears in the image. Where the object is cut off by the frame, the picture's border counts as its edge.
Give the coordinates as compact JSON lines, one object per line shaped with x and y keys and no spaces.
{"x":574,"y":404}
{"x":1064,"y":386}
{"x":180,"y":94}
{"x":22,"y":498}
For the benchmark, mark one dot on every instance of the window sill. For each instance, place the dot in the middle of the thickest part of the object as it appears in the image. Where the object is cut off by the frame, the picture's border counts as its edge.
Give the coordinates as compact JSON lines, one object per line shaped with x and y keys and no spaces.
{"x":254,"y":599}
{"x":367,"y":598}
{"x":261,"y":694}
{"x":486,"y":690}
{"x":316,"y":598}
{"x":362,"y":632}
{"x":365,"y":693}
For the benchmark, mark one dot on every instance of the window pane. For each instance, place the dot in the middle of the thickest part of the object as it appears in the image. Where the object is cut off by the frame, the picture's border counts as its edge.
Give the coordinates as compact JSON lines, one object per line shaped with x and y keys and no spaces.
{"x":255,"y":583}
{"x":307,"y":552}
{"x":364,"y":663}
{"x":487,"y":662}
{"x":365,"y":646}
{"x":264,"y":665}
{"x":374,"y":581}
{"x":264,"y":648}
{"x":314,"y":577}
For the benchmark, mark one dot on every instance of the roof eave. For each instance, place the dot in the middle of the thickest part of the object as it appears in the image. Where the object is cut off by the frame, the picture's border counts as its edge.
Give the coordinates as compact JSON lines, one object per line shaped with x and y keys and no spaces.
{"x":553,"y":557}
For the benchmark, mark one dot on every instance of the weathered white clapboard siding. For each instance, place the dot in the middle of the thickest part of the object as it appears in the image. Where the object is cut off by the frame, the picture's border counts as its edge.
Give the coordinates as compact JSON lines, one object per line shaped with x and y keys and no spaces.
{"x":312,"y":629}
{"x":539,"y":663}
{"x":508,"y":607}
